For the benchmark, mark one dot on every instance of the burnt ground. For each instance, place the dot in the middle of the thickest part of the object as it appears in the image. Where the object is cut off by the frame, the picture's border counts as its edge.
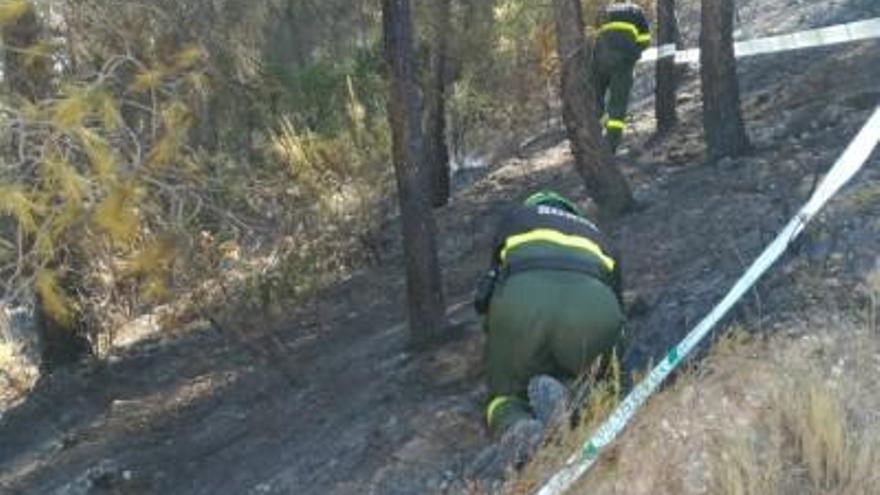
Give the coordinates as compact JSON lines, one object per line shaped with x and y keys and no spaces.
{"x":357,"y":411}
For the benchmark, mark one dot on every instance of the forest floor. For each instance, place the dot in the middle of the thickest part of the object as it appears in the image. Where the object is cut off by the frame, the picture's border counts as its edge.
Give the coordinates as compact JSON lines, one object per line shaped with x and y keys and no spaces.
{"x":356,"y":411}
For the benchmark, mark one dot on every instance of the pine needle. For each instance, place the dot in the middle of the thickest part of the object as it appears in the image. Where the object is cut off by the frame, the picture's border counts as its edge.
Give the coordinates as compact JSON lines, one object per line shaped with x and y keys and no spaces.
{"x":63,"y":219}
{"x":68,"y":112}
{"x":57,"y":305}
{"x":108,"y":108}
{"x":116,"y":214}
{"x":163,"y":152}
{"x":147,"y":80}
{"x":63,"y":179}
{"x":30,"y":110}
{"x":44,"y":246}
{"x":16,"y":202}
{"x":100,"y":155}
{"x":157,"y":256}
{"x":189,"y":56}
{"x":13,"y":10}
{"x":177,"y":117}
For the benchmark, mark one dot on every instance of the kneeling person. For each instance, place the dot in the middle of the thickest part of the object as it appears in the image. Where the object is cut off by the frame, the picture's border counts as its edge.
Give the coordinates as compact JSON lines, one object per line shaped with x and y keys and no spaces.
{"x":552,"y":306}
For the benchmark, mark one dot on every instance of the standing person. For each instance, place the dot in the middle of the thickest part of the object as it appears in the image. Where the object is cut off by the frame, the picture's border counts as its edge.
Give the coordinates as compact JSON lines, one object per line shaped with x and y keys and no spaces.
{"x":624,"y":33}
{"x":551,"y":303}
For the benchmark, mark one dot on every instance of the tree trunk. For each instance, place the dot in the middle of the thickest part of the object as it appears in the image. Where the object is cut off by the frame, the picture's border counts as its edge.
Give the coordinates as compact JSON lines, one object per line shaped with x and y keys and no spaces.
{"x":722,"y":117}
{"x":603,"y":180}
{"x":424,"y":289}
{"x":436,"y":151}
{"x":667,"y":75}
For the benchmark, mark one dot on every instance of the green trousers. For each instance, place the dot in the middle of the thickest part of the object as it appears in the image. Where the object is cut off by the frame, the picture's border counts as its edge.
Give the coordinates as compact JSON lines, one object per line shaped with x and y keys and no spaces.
{"x":545,"y":322}
{"x":613,"y":81}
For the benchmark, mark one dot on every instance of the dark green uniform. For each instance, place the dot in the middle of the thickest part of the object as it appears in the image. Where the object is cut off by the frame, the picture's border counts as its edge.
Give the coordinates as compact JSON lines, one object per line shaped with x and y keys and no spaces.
{"x":555,"y":307}
{"x":623,"y":34}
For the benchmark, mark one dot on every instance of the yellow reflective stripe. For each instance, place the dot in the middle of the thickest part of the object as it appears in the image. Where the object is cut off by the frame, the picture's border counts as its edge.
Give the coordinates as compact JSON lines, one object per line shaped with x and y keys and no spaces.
{"x":556,"y":237}
{"x":615,"y":124}
{"x":620,"y":26}
{"x":628,"y":27}
{"x":495,"y":404}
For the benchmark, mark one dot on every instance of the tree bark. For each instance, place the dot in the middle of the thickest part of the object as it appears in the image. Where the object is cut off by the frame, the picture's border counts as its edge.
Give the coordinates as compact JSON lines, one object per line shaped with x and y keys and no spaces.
{"x":603,"y":180}
{"x":436,"y":150}
{"x":426,"y":307}
{"x":667,"y":75}
{"x":722,"y":117}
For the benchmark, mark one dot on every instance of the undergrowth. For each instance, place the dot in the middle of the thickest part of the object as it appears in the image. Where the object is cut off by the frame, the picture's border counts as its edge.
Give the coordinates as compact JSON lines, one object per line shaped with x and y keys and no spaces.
{"x":759,"y":416}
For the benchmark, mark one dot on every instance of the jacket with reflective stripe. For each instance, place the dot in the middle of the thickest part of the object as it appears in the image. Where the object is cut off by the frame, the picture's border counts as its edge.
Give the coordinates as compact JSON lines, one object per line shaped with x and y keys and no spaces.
{"x":625,"y":24}
{"x":571,"y":236}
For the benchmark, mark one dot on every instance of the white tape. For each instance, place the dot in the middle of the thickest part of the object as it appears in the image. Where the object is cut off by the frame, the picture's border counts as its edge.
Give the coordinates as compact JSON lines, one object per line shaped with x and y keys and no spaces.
{"x":842,"y":33}
{"x":852,"y":160}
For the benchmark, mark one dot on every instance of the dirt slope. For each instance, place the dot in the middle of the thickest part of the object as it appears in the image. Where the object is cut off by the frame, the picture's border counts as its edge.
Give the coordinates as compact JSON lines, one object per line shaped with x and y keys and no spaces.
{"x":363,"y":414}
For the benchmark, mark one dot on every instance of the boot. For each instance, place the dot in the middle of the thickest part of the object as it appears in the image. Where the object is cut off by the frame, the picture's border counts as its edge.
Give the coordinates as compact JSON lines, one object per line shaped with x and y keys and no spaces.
{"x":550,"y":401}
{"x":519,"y":443}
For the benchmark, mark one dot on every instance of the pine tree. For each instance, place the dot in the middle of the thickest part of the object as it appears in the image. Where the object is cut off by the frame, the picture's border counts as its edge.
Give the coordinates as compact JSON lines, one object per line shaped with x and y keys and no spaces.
{"x":436,"y":149}
{"x":667,"y":75}
{"x":722,"y":116}
{"x":424,"y":289}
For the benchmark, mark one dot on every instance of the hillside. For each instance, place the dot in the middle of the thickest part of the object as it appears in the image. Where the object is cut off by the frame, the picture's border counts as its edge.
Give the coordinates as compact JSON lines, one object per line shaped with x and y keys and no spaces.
{"x":343,"y":406}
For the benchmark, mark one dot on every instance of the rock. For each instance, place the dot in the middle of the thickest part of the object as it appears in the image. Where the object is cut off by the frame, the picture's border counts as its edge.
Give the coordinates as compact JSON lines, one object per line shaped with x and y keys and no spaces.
{"x":263,"y":488}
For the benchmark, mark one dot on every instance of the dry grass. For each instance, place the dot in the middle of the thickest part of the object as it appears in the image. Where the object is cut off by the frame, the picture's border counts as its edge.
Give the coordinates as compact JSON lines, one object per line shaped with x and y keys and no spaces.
{"x":783,"y":416}
{"x":813,"y":417}
{"x":738,"y":468}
